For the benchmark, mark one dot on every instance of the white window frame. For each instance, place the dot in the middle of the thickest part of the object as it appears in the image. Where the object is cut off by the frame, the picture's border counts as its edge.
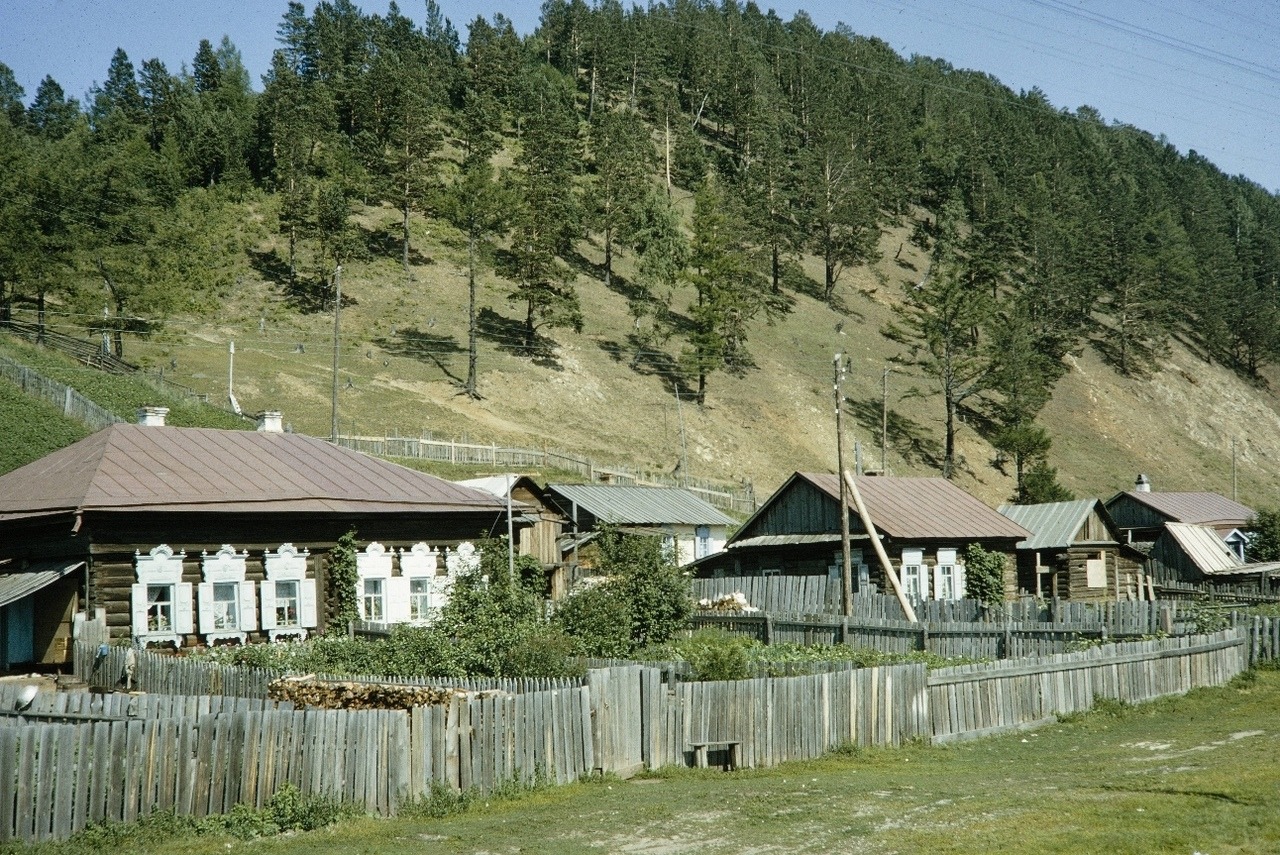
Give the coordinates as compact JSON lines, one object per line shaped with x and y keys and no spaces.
{"x":287,"y":565}
{"x":161,"y":567}
{"x":701,"y":541}
{"x":947,"y":583}
{"x":914,"y":575}
{"x":373,"y":599}
{"x":223,"y":571}
{"x":373,"y":563}
{"x":420,"y":568}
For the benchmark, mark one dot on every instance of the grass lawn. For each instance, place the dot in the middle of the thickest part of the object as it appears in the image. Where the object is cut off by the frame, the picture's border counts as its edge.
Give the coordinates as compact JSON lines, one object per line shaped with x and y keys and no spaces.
{"x":1194,"y":774}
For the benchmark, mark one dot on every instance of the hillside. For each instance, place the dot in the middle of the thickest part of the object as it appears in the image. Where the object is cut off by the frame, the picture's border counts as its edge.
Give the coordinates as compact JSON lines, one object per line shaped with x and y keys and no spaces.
{"x":403,"y":351}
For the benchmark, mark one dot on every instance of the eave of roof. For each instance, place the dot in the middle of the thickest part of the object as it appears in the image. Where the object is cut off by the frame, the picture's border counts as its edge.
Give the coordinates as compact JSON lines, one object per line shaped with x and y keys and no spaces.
{"x":637,"y":505}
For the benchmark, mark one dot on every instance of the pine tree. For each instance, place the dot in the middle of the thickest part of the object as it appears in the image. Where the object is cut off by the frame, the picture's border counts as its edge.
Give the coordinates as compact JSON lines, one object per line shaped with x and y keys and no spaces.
{"x":623,"y":159}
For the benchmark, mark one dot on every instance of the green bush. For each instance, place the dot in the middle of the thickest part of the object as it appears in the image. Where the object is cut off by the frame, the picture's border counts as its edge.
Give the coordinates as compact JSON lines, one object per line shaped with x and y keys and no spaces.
{"x":715,"y":655}
{"x":598,"y":620}
{"x":984,"y":574}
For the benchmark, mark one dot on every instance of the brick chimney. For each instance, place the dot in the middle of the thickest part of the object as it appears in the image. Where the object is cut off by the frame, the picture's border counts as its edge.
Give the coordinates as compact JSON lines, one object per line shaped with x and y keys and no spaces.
{"x":152,"y":416}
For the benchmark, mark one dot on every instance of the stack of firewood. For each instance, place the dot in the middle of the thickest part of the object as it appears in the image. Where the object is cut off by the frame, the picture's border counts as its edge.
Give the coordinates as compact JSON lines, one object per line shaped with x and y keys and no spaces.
{"x":322,"y":694}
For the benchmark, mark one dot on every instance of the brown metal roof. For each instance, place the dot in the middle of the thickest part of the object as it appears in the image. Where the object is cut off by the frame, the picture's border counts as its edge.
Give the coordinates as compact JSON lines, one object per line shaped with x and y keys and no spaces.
{"x":919,"y":508}
{"x":131,"y":467}
{"x":1195,"y":508}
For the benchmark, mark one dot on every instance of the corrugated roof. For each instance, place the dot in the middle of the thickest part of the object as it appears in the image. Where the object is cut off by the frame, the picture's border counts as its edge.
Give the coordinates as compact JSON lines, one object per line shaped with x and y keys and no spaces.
{"x":922,"y":508}
{"x":1195,"y":508}
{"x":23,"y":583}
{"x":131,"y":467}
{"x":631,"y":505}
{"x":1053,"y":525}
{"x":1204,"y":548}
{"x":792,"y":540}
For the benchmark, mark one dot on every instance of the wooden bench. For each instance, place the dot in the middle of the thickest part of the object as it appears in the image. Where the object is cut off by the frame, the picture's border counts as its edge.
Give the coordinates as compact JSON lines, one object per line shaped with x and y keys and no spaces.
{"x":701,"y":749}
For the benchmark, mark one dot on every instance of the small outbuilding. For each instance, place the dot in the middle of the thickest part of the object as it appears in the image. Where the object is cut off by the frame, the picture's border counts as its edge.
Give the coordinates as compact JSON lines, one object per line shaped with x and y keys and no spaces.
{"x":1196,"y":554}
{"x":1075,"y":553}
{"x":1140,"y":514}
{"x":689,"y":527}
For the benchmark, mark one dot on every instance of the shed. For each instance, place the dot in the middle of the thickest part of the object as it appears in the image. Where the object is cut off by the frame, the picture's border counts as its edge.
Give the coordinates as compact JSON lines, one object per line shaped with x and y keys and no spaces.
{"x":1141,"y":515}
{"x":187,"y":535}
{"x":1075,"y":552}
{"x":689,"y":526}
{"x":1197,"y":554}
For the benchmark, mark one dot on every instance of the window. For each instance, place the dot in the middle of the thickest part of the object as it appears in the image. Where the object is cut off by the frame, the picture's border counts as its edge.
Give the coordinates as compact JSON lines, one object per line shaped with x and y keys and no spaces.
{"x":286,"y":608}
{"x":702,"y":546}
{"x":226,"y":605}
{"x":288,"y":596}
{"x":947,"y":584}
{"x":159,"y":608}
{"x":1095,"y":571}
{"x":914,"y":582}
{"x":372,"y":606}
{"x":419,"y":598}
{"x":160,"y":602}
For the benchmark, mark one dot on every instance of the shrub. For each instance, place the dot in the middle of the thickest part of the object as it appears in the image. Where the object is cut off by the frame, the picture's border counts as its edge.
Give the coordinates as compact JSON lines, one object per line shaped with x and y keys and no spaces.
{"x":342,"y":577}
{"x":598,"y":620}
{"x":984,"y":574}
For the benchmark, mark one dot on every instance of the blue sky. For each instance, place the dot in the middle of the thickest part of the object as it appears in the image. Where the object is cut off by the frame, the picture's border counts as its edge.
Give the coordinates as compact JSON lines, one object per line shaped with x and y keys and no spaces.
{"x":1205,"y":74}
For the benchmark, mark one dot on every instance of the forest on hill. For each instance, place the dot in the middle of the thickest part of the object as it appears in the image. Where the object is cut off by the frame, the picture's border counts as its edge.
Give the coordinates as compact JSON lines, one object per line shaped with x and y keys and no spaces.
{"x":1033,"y":231}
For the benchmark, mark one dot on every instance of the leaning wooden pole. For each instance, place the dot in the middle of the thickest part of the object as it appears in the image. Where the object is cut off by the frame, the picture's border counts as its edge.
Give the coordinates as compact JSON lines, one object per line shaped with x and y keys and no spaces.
{"x":867,"y":524}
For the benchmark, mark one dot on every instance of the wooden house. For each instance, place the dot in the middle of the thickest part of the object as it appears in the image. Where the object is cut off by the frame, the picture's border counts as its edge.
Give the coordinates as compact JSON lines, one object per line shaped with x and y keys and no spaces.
{"x":924,"y":524}
{"x":186,"y":536}
{"x":689,"y":527}
{"x":543,"y":524}
{"x":1140,"y":514}
{"x":1075,"y":553}
{"x":1198,"y":555}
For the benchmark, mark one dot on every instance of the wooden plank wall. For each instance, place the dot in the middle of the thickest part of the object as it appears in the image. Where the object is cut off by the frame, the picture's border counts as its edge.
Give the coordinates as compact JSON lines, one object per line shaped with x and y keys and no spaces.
{"x":201,"y":756}
{"x":791,"y":718}
{"x":970,"y":701}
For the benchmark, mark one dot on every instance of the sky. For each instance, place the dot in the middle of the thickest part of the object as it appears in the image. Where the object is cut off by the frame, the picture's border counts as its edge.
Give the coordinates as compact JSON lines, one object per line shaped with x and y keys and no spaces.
{"x":1203,"y":74}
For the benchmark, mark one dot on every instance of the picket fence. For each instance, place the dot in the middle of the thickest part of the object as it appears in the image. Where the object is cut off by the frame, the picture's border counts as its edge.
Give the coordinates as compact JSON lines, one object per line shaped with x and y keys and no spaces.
{"x":166,"y":674}
{"x":819,"y":595}
{"x":70,"y":759}
{"x":983,"y":640}
{"x":73,"y":404}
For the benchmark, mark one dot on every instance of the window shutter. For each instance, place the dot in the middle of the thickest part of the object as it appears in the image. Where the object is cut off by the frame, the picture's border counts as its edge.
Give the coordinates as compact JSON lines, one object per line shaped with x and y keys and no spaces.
{"x":139,"y":609}
{"x":307,"y":604}
{"x":937,"y":579}
{"x":205,"y":590}
{"x":397,"y":601}
{"x":267,"y":592}
{"x":960,"y":582}
{"x":923,"y":570}
{"x":182,"y":616}
{"x":248,"y":607}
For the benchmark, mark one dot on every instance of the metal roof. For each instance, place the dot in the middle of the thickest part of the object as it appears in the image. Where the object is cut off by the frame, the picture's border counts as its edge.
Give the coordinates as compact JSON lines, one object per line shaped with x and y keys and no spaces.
{"x":919,"y":508}
{"x":793,"y":540}
{"x":23,"y":583}
{"x":633,"y":505}
{"x":1053,"y":525}
{"x":1204,"y":548}
{"x":135,"y":467}
{"x":1195,"y":508}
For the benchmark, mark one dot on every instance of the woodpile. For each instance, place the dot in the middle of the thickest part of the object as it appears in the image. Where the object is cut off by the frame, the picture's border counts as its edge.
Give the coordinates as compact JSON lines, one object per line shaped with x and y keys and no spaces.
{"x":307,"y":692}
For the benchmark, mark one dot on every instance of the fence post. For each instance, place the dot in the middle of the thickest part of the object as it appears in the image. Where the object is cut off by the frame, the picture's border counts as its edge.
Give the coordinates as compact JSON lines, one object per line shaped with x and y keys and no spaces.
{"x":768,"y":629}
{"x":1006,"y":643}
{"x":924,"y":637}
{"x":844,"y":630}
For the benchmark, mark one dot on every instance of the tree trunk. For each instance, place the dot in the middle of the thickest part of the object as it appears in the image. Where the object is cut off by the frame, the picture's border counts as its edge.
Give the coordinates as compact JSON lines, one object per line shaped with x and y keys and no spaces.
{"x":608,"y":256}
{"x":404,"y":228}
{"x":471,"y":317}
{"x":776,"y":269}
{"x":40,"y":317}
{"x":949,"y":454}
{"x":529,"y":329}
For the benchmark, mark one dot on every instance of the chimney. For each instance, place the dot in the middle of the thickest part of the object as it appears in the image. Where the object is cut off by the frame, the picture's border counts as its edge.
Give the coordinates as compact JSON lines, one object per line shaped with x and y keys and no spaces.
{"x":271,"y":421}
{"x":1142,"y":484}
{"x":152,"y":416}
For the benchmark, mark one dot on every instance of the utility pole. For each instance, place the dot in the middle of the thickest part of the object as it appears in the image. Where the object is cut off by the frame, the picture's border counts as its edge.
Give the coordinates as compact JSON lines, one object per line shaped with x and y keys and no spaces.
{"x":1233,"y":470}
{"x":684,"y":448}
{"x":884,"y":425}
{"x":337,"y":315}
{"x":846,"y":555}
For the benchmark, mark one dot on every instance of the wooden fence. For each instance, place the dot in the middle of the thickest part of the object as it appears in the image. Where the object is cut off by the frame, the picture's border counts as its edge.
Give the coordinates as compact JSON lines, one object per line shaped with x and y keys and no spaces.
{"x":166,"y":674}
{"x":819,"y":595}
{"x":129,"y":756}
{"x":73,"y":404}
{"x":732,"y":496}
{"x":971,"y":701}
{"x":983,"y":640}
{"x":56,"y":778}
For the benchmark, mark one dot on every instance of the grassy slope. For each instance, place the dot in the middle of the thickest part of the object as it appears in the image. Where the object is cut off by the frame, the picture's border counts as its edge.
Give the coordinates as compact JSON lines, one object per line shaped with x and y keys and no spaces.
{"x":31,"y":428}
{"x":1182,"y":775}
{"x":403,"y":351}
